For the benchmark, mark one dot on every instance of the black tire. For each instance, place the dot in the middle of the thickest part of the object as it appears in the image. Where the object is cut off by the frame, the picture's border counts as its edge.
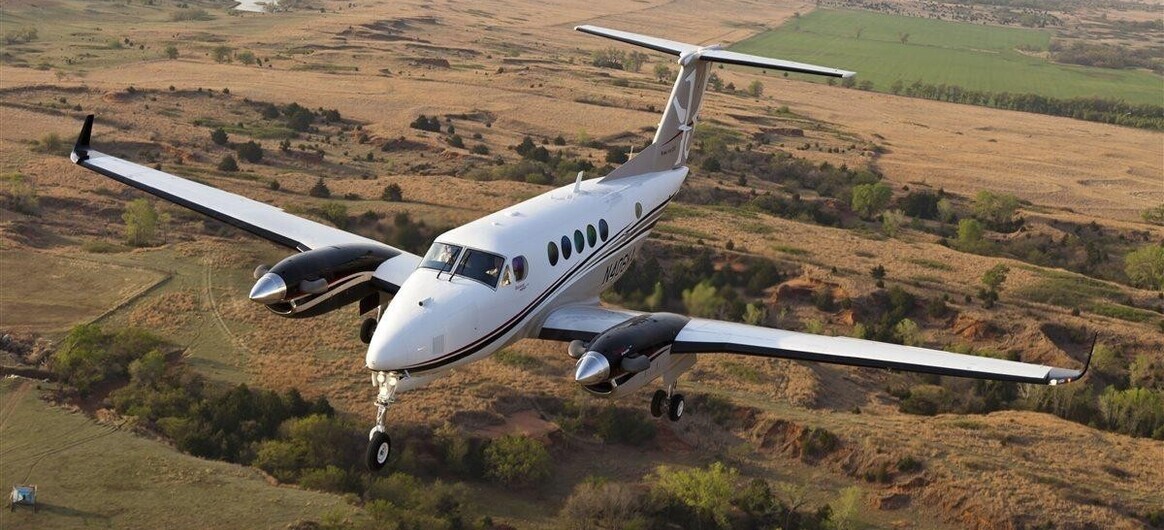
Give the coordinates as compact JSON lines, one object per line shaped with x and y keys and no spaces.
{"x":379,"y":449}
{"x":657,"y":403}
{"x":676,"y":410}
{"x":367,"y":328}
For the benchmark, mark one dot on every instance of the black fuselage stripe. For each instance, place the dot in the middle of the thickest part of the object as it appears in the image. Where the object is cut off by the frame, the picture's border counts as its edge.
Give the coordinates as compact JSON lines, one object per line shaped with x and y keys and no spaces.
{"x":631,"y":233}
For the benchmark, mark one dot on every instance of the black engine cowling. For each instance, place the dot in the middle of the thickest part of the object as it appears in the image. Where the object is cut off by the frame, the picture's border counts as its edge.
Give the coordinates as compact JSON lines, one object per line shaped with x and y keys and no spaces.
{"x":628,"y":347}
{"x":320,"y":280}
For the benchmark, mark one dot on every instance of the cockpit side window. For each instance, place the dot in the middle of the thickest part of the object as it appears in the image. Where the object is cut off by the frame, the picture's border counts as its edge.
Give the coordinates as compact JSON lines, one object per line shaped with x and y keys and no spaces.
{"x":519,"y":268}
{"x":441,"y":256}
{"x":481,"y":266}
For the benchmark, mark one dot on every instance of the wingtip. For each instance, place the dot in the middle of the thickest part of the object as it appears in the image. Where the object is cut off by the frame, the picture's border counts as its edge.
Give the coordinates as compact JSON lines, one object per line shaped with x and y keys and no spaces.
{"x":1058,"y":376}
{"x":81,"y":149}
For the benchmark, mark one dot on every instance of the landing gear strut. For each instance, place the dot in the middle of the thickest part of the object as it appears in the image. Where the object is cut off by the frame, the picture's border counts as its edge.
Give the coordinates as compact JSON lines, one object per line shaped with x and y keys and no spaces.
{"x":667,"y":401}
{"x":379,"y":443}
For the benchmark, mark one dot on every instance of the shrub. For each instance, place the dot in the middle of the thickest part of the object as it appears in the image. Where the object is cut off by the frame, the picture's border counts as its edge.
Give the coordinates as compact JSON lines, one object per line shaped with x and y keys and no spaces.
{"x":600,"y":504}
{"x":228,"y":163}
{"x":756,"y":88}
{"x":995,"y":209}
{"x":141,"y":222}
{"x":319,"y":189}
{"x":21,"y":193}
{"x":221,"y":54}
{"x":171,"y":52}
{"x":480,"y":149}
{"x":707,"y":493}
{"x":219,"y":136}
{"x":926,"y":400}
{"x":392,"y":193}
{"x":620,"y":425}
{"x":251,"y":151}
{"x":517,"y":460}
{"x":1145,"y":267}
{"x":870,"y":199}
{"x":335,"y":213}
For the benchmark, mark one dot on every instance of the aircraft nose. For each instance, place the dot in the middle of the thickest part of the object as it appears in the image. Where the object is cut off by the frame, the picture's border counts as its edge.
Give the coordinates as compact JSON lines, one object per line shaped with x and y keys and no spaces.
{"x":269,"y":288}
{"x":592,"y":368}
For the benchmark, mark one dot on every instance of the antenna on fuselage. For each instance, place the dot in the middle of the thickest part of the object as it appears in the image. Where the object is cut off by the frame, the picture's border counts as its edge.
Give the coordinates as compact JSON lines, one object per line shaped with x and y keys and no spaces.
{"x":578,"y":182}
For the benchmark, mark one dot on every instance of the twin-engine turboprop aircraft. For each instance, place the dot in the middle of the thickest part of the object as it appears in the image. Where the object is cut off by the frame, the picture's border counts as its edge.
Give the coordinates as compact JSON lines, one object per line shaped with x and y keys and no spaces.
{"x":534,"y":270}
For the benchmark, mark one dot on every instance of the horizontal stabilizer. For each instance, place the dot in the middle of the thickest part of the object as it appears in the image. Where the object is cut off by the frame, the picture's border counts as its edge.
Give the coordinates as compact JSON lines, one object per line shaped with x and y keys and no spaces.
{"x":712,"y":53}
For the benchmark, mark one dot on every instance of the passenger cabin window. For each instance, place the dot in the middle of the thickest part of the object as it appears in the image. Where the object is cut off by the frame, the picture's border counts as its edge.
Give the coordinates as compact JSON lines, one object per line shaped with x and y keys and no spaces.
{"x":481,"y":266}
{"x":552,"y":253}
{"x":591,"y":235}
{"x":519,"y":269}
{"x":579,"y":241}
{"x":638,"y":210}
{"x":603,"y":229}
{"x":441,"y":256}
{"x":565,"y":247}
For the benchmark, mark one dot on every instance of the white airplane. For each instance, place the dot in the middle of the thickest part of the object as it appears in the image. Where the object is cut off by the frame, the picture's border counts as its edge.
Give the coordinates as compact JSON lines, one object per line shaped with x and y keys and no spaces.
{"x":534,"y":270}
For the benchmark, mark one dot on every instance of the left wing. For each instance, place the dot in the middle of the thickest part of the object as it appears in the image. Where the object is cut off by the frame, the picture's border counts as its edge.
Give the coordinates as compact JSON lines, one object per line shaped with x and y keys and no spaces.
{"x":266,"y":221}
{"x":714,"y":336}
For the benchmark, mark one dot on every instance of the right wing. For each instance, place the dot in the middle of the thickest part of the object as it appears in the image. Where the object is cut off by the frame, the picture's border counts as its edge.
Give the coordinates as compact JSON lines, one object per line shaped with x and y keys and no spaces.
{"x":261,"y":219}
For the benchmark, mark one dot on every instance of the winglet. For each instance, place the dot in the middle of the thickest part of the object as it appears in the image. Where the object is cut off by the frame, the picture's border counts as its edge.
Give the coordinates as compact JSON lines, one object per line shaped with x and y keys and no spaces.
{"x":81,"y":150}
{"x":1058,"y":376}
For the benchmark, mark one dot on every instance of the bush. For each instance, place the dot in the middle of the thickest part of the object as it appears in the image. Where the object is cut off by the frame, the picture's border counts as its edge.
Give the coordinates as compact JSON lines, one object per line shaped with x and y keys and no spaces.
{"x":870,"y":199}
{"x":319,"y":190}
{"x":335,"y":213}
{"x":600,"y":504}
{"x":251,"y":151}
{"x":221,"y":54}
{"x":1145,"y":267}
{"x":517,"y":460}
{"x":426,"y":124}
{"x":141,"y":222}
{"x":22,"y":195}
{"x":620,"y":425}
{"x":392,"y":193}
{"x":705,"y":493}
{"x":219,"y":136}
{"x":480,"y":149}
{"x":89,"y":356}
{"x":331,"y":479}
{"x":228,"y":163}
{"x":926,"y":400}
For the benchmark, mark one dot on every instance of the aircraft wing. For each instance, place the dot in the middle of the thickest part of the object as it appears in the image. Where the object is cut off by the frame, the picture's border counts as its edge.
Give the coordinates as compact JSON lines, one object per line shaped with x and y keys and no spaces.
{"x":715,"y":336}
{"x":261,"y":219}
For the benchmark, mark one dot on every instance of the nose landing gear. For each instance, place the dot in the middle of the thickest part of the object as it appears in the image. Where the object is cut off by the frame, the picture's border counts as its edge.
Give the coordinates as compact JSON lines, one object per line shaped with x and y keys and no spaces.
{"x":379,"y":443}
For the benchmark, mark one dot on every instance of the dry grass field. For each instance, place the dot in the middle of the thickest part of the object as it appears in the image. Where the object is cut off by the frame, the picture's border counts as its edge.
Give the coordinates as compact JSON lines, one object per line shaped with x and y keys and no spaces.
{"x":508,"y":69}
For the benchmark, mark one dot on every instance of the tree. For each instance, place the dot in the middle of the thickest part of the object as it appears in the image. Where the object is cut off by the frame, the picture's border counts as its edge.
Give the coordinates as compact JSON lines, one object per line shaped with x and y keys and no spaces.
{"x":1145,"y":267}
{"x":517,"y":460}
{"x":703,"y":300}
{"x":1154,"y":215}
{"x":903,"y":37}
{"x":706,"y":492}
{"x":993,"y":280}
{"x":869,"y":199}
{"x":970,"y":235}
{"x":755,"y":314}
{"x":251,"y":151}
{"x":228,"y":163}
{"x":171,"y":52}
{"x":219,"y":136}
{"x":634,"y":61}
{"x":995,"y":209}
{"x":896,"y":87}
{"x":715,"y":82}
{"x":392,"y":193}
{"x":319,"y":189}
{"x":756,"y":88}
{"x":246,"y":57}
{"x":221,"y":54}
{"x":662,"y":72}
{"x":141,"y":222}
{"x":892,"y":221}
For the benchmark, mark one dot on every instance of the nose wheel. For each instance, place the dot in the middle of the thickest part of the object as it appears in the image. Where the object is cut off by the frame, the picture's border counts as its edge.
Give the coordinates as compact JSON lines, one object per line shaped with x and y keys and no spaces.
{"x":667,"y":402}
{"x":379,"y":443}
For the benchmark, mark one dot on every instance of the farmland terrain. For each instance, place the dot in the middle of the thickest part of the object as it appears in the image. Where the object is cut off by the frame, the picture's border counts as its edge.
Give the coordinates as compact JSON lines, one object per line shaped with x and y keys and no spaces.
{"x":332,"y":94}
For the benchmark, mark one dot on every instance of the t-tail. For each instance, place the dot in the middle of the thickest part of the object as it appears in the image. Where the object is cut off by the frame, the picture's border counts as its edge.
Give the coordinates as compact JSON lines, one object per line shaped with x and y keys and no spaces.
{"x":672,"y":141}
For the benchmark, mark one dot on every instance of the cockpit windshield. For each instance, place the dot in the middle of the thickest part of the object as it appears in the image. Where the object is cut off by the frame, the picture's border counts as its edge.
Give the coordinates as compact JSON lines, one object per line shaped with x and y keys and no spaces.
{"x":441,"y":256}
{"x":481,"y":266}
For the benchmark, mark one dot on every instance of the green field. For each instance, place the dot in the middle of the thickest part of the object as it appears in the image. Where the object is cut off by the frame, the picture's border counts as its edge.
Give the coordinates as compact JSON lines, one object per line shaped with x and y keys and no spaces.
{"x":975,"y":57}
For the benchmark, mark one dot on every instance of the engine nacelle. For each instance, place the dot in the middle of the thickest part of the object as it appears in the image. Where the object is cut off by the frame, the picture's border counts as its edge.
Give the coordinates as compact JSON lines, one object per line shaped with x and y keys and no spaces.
{"x":627,"y":348}
{"x":320,"y":280}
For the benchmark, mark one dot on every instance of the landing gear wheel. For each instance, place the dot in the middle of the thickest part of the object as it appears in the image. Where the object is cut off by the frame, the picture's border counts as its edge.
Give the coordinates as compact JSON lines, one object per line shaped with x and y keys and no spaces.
{"x":379,"y":449}
{"x":367,"y":328}
{"x":658,"y":403}
{"x":675,"y":411}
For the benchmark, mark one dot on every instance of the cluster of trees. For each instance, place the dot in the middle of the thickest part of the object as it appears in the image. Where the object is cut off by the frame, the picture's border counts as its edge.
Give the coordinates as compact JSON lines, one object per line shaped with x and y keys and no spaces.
{"x":711,"y":497}
{"x":617,"y":59}
{"x":1117,"y":395}
{"x":297,"y":117}
{"x":538,"y":165}
{"x":1105,"y":55}
{"x":20,"y":36}
{"x":425,"y":123}
{"x":1119,"y":112}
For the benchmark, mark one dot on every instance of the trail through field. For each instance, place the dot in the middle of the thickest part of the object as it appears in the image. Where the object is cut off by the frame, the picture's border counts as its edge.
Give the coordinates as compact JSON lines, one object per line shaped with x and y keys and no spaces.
{"x":12,"y":401}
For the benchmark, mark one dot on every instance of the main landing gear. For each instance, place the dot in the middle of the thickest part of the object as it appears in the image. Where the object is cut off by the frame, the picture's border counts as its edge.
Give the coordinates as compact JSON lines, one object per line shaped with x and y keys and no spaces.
{"x":667,"y":401}
{"x":379,"y":443}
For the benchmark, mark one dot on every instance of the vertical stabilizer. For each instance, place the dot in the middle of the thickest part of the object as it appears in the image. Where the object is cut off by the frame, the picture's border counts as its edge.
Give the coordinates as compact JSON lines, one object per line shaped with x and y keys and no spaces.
{"x":672,"y":141}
